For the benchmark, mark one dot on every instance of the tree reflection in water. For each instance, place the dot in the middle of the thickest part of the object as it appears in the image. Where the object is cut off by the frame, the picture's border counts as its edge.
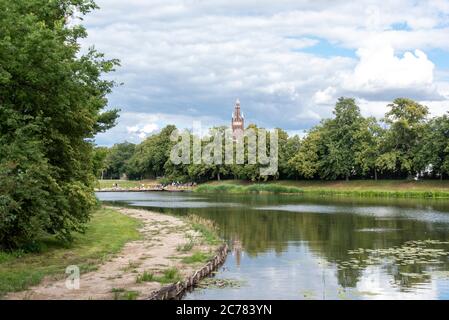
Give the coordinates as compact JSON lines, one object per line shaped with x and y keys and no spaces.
{"x":331,"y":228}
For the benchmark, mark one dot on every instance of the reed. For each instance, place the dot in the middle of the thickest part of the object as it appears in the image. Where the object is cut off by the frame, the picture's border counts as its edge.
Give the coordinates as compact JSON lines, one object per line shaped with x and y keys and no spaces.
{"x":284,"y":189}
{"x":253,"y":188}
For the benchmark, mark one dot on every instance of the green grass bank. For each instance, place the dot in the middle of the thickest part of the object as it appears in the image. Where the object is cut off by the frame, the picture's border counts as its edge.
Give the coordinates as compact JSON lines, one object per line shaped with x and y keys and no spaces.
{"x":357,"y":188}
{"x":106,"y":234}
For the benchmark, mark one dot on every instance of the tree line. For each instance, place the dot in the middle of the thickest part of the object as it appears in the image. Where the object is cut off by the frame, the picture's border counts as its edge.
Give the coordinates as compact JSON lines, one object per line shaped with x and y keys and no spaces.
{"x":51,"y":107}
{"x":405,"y":143}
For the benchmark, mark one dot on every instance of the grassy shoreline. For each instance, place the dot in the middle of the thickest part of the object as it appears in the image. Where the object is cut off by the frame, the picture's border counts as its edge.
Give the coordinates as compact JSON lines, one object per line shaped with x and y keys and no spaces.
{"x":107,"y":233}
{"x":355,"y":188}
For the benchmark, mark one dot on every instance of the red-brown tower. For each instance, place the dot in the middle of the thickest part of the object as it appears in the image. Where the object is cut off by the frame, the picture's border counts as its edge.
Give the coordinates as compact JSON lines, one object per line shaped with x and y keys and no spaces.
{"x":238,"y":121}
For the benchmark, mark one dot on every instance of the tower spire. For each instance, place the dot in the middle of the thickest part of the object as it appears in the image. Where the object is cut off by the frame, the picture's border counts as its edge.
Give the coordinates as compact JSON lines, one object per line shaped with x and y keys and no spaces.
{"x":237,"y":122}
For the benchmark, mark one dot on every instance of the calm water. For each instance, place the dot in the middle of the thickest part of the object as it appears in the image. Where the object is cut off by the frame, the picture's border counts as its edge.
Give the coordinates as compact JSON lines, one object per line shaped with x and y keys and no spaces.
{"x":292,"y":247}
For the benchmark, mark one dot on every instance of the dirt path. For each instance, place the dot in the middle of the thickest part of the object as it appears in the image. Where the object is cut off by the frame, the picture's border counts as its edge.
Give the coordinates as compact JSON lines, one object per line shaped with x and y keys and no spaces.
{"x":159,"y":249}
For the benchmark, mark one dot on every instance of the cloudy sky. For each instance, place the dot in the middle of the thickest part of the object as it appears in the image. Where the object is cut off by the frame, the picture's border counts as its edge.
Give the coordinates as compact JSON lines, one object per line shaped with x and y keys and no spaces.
{"x":287,"y":61}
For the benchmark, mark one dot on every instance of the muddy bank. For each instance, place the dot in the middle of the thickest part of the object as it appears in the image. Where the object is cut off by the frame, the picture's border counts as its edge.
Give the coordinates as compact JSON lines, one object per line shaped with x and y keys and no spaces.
{"x":170,"y":251}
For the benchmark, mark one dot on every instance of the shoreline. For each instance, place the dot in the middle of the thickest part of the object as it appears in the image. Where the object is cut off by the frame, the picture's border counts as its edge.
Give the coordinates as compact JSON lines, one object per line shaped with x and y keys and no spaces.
{"x":141,"y":190}
{"x":422,"y":189}
{"x":361,"y":189}
{"x":321,"y":192}
{"x":171,"y":253}
{"x":177,"y":290}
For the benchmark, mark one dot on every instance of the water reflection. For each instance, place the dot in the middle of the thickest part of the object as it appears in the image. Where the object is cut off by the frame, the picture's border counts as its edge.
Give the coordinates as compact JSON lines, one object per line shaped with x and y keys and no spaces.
{"x":291,"y":247}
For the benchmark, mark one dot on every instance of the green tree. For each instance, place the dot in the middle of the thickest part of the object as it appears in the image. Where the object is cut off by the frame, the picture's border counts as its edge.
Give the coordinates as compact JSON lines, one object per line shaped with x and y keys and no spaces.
{"x":340,"y":140}
{"x":151,"y":155}
{"x":289,"y":150}
{"x":368,"y":150}
{"x":306,"y":161}
{"x":406,"y":121}
{"x":434,"y":151}
{"x":99,"y":161}
{"x":117,"y":158}
{"x":51,"y":101}
{"x":288,"y":147}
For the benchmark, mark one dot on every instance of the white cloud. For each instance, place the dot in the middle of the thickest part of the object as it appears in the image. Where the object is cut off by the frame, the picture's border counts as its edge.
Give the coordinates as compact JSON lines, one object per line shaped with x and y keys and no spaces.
{"x":142,"y":131}
{"x":133,"y":129}
{"x":136,"y":126}
{"x":380,"y":69}
{"x":148,"y":128}
{"x":381,"y":286}
{"x":287,"y":62}
{"x":325,"y":96}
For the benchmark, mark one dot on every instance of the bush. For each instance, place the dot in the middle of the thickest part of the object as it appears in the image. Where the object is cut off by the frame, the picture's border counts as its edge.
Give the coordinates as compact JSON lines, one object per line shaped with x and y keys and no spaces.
{"x":50,"y":109}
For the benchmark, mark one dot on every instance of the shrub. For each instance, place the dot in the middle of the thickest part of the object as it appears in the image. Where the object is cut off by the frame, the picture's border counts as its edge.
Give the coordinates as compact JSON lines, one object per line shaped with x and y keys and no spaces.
{"x":50,"y":109}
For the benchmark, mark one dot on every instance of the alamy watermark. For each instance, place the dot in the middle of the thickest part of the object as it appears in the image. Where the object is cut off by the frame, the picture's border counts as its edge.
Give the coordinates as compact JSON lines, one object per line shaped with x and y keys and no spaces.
{"x":72,"y":282}
{"x":223,"y":146}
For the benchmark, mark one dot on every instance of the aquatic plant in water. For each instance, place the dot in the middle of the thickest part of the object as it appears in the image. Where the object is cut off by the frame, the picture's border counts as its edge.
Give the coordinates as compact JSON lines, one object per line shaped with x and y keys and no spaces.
{"x":411,"y":253}
{"x":218,"y":283}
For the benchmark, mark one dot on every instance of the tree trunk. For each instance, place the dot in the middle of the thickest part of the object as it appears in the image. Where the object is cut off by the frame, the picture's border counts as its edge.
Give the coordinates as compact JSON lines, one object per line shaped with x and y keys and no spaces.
{"x":218,"y":176}
{"x":347,"y":177}
{"x":375,"y":174}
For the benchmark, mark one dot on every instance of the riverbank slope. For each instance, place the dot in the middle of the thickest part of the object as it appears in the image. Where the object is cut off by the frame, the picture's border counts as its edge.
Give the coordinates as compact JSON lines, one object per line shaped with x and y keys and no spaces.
{"x":158,"y":250}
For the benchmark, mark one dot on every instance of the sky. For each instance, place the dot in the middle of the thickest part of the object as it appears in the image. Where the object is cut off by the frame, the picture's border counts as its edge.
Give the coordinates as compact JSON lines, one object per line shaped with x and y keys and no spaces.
{"x":287,"y":61}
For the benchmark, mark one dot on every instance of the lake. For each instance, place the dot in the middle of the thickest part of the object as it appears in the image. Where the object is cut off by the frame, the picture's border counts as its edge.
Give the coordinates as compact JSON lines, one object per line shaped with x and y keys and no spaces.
{"x":296,"y":247}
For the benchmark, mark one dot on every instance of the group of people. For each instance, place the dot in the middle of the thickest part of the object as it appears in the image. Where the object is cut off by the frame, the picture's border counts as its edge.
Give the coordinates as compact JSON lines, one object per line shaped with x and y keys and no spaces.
{"x":179,"y":185}
{"x":175,"y":185}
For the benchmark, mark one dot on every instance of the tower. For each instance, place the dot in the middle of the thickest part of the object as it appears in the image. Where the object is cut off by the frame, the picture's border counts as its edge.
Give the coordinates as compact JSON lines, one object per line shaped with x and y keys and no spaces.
{"x":238,"y":121}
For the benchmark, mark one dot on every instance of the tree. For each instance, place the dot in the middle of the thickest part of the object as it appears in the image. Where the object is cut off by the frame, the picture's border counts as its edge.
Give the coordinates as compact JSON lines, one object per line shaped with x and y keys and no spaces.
{"x":406,"y":123}
{"x":151,"y":155}
{"x":99,"y":161}
{"x":288,"y":147}
{"x":341,"y":140}
{"x":368,"y":150}
{"x":434,"y":151}
{"x":205,"y":171}
{"x":117,"y":158}
{"x":51,"y":101}
{"x":306,"y":161}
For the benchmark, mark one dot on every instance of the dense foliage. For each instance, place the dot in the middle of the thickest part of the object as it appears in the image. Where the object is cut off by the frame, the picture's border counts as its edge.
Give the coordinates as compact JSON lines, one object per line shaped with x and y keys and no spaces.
{"x":51,"y":97}
{"x":405,"y":144}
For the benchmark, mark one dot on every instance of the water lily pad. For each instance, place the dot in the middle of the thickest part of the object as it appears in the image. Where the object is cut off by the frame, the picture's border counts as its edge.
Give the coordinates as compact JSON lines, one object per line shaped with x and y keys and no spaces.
{"x":220,"y":283}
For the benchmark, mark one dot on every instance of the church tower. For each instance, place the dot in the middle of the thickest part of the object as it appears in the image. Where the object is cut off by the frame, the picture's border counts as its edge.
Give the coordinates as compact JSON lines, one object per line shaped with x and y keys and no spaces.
{"x":238,"y":121}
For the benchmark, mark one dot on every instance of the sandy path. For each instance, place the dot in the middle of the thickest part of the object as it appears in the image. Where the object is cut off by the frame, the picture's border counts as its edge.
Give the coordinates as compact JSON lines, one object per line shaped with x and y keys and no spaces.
{"x":162,"y":235}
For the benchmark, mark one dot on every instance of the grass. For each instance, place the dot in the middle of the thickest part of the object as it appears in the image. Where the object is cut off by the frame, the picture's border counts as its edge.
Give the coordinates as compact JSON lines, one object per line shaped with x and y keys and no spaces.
{"x":145,"y":277}
{"x":170,"y":275}
{"x":197,"y":257}
{"x":106,"y":234}
{"x":253,"y":188}
{"x":360,"y":188}
{"x":187,"y":246}
{"x":122,"y":294}
{"x":206,"y":228}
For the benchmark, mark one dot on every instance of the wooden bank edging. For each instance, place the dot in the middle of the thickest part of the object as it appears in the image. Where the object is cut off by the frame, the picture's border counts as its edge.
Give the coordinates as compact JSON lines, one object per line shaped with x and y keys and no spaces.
{"x":176,"y":290}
